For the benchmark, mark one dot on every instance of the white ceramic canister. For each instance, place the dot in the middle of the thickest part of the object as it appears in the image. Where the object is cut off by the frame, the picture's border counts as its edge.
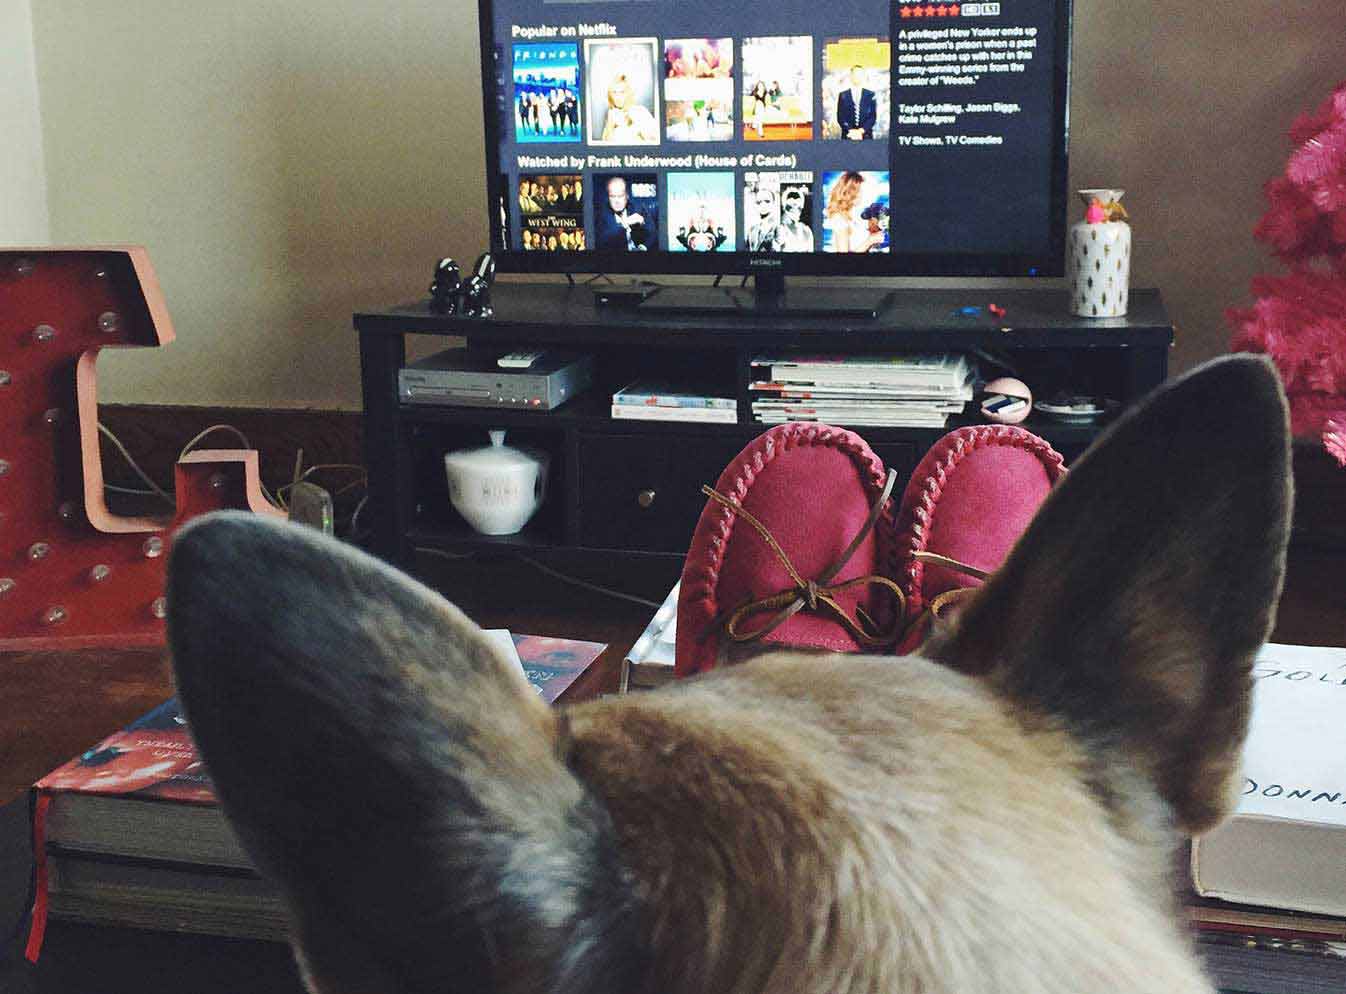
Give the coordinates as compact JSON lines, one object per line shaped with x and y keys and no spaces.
{"x":496,"y":488}
{"x":1099,"y":255}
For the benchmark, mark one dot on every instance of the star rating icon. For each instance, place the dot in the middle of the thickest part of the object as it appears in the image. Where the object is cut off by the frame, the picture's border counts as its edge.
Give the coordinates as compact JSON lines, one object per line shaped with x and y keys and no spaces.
{"x":931,"y":10}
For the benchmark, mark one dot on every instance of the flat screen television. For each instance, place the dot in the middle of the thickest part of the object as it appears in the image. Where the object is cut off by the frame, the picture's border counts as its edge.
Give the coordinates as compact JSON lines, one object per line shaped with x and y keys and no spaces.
{"x":841,"y":137}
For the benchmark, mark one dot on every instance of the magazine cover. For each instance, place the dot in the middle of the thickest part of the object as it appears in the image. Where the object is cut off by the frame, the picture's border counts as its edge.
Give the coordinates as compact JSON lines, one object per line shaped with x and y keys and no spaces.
{"x":553,"y":664}
{"x":778,"y":89}
{"x":551,"y":209}
{"x":855,"y":211}
{"x":777,"y":209}
{"x":622,"y":91}
{"x":626,"y":212}
{"x":701,"y":212}
{"x":547,"y":92}
{"x":699,"y":89}
{"x":152,"y":757}
{"x":856,"y":103}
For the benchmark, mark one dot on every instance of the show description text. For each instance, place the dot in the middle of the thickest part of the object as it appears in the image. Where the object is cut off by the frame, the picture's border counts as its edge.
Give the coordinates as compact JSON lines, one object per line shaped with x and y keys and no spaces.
{"x":962,"y":58}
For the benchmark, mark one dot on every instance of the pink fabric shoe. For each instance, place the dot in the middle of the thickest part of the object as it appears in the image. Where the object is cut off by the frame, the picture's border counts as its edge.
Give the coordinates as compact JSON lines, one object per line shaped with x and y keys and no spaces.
{"x":969,"y":500}
{"x":794,"y":548}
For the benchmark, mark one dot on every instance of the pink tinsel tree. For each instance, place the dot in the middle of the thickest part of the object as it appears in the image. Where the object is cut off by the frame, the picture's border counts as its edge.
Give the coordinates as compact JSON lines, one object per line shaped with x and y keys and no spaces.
{"x":1299,"y":319}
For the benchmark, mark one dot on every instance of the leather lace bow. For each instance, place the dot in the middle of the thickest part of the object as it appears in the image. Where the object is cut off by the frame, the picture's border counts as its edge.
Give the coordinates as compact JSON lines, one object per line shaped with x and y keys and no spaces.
{"x":818,"y":595}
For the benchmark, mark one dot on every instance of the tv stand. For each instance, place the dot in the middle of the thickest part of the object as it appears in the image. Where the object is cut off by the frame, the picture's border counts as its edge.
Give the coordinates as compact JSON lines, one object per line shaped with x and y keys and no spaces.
{"x":769,"y":296}
{"x":630,"y":490}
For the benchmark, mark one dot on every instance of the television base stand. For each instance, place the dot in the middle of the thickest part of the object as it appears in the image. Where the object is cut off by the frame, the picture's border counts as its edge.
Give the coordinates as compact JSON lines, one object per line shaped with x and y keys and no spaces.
{"x":857,"y":302}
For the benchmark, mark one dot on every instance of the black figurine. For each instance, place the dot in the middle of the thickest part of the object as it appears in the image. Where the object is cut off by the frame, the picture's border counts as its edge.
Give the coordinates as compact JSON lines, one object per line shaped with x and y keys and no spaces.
{"x":446,"y":287}
{"x":475,"y":294}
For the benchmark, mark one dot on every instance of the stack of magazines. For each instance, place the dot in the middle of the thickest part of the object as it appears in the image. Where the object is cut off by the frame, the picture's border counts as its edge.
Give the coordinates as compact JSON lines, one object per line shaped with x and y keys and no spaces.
{"x":902,"y":391}
{"x":658,"y":400}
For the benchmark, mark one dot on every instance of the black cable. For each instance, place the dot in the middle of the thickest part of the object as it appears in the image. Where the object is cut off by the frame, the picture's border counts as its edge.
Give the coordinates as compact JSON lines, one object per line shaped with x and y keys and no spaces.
{"x":717,"y":280}
{"x":570,"y":279}
{"x":745,"y":281}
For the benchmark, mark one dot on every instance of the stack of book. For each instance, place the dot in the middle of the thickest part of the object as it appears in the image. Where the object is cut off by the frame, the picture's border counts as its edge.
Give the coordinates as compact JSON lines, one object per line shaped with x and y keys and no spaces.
{"x":902,"y":391}
{"x":1269,"y":901}
{"x":658,"y":400}
{"x":130,"y":832}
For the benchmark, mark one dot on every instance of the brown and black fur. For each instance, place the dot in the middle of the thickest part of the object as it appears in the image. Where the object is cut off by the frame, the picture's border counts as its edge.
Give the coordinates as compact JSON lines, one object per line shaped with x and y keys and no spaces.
{"x":997,"y":814}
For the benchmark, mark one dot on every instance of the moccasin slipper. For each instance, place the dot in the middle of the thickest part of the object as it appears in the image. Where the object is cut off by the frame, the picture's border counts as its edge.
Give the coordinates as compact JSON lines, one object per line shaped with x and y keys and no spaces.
{"x":794,"y":548}
{"x":969,"y":500}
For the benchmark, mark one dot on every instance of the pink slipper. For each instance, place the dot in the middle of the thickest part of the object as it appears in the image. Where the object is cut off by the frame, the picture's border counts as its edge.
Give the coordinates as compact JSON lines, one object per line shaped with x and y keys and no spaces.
{"x":969,"y":500}
{"x":793,"y":548}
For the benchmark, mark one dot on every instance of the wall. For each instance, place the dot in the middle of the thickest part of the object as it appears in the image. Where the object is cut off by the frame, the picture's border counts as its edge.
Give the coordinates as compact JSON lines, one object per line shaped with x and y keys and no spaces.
{"x":23,"y":184}
{"x":287,"y":164}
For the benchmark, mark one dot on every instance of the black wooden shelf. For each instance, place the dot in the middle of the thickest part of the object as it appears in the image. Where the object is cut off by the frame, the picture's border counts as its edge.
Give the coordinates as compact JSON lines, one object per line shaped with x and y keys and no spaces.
{"x":604,"y":470}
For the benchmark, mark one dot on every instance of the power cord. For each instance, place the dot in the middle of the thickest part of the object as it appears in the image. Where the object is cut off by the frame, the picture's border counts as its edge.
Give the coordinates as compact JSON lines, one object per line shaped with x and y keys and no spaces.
{"x":557,"y":574}
{"x":154,"y":488}
{"x":355,"y":534}
{"x":301,"y":477}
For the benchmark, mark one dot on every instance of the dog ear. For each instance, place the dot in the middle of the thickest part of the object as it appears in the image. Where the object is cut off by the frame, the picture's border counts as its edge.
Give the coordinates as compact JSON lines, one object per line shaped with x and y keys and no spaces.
{"x":1133,"y":605}
{"x":390,"y":770}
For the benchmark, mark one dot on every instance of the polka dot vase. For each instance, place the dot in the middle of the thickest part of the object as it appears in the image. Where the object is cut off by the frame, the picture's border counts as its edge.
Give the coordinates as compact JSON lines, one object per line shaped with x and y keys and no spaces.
{"x":1100,"y":257}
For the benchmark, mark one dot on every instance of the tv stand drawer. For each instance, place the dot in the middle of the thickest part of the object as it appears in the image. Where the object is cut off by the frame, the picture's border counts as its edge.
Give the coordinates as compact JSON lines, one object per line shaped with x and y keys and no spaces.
{"x":642,"y":492}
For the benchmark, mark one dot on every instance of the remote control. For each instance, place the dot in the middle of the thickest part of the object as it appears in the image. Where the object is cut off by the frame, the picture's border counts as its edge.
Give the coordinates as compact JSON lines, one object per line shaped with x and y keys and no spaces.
{"x":518,"y":360}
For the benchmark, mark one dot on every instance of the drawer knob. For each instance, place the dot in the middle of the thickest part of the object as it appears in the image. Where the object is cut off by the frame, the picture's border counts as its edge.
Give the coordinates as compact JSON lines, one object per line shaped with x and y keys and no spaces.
{"x":645,"y":498}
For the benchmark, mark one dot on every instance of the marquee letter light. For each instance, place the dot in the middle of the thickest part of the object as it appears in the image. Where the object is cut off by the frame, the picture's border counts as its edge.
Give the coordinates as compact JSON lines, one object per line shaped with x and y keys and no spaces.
{"x":72,"y":573}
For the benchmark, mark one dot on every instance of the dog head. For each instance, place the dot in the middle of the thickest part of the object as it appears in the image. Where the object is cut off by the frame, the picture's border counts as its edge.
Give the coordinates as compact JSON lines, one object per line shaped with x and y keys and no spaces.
{"x":996,"y":814}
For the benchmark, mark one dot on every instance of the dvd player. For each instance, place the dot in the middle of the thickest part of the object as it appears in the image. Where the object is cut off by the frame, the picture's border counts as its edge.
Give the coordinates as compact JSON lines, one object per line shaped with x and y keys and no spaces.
{"x":471,"y":378}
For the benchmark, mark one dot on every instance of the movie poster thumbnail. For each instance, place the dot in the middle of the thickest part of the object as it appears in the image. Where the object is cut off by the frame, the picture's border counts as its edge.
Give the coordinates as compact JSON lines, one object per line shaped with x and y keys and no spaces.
{"x":855,"y":211}
{"x":701,"y":212}
{"x":856,"y":80}
{"x":699,"y":89}
{"x":626,"y":212}
{"x":547,"y":92}
{"x":551,"y":194}
{"x":552,"y":233}
{"x":551,"y":211}
{"x":777,"y":88}
{"x":777,"y":211}
{"x":623,"y":91}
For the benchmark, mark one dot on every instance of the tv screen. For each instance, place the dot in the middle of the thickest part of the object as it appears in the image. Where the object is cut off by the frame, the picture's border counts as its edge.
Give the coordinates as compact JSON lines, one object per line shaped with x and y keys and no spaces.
{"x":848,"y":137}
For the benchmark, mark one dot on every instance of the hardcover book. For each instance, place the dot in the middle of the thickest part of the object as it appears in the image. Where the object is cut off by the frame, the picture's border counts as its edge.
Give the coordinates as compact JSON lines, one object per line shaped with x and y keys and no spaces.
{"x":1285,"y":844}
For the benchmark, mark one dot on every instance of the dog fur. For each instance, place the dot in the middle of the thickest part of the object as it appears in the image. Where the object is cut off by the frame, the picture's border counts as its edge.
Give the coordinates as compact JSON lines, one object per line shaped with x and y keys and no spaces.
{"x":997,"y":814}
